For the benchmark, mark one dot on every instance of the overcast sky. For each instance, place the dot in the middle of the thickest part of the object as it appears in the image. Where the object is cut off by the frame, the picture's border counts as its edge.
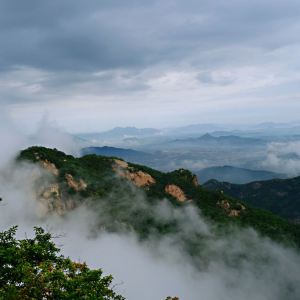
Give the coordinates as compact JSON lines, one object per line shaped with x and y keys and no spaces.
{"x":94,"y":64}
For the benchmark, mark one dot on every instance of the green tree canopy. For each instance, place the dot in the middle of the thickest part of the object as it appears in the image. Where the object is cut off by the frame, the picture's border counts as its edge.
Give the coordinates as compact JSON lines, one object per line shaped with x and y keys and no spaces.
{"x":34,"y":269}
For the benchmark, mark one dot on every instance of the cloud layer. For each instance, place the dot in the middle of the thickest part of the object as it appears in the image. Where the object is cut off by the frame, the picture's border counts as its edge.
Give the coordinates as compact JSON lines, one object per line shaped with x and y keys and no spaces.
{"x":283,"y":157}
{"x":149,"y":56}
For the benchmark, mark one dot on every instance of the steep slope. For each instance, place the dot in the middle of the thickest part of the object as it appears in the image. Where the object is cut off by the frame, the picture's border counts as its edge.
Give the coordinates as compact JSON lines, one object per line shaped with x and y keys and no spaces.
{"x":116,"y":186}
{"x":280,"y":196}
{"x":235,"y":174}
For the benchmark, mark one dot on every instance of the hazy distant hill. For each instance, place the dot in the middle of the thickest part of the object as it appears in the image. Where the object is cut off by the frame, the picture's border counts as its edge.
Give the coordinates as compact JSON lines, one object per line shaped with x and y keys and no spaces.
{"x":281,"y":196}
{"x":210,"y":140}
{"x":194,"y":129}
{"x":235,"y":174}
{"x":121,"y":132}
{"x":225,"y":132}
{"x":126,"y":154}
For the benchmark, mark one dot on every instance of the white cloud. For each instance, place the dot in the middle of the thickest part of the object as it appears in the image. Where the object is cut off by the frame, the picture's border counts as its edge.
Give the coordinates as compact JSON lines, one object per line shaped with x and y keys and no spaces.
{"x":284,"y":158}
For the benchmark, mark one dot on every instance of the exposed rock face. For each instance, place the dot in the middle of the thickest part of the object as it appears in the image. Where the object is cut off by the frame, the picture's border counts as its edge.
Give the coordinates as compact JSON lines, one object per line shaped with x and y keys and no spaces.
{"x":176,"y":192}
{"x":139,"y":178}
{"x":50,"y":200}
{"x":75,"y":185}
{"x":195,"y":181}
{"x":224,"y":204}
{"x":121,"y":163}
{"x":231,"y":212}
{"x":49,"y":166}
{"x":234,"y":213}
{"x":51,"y":191}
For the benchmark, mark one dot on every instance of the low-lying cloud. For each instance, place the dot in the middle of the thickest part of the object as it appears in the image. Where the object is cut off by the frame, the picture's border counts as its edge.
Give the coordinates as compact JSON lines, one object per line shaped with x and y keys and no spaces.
{"x":240,"y":265}
{"x":283,"y":157}
{"x":47,"y":134}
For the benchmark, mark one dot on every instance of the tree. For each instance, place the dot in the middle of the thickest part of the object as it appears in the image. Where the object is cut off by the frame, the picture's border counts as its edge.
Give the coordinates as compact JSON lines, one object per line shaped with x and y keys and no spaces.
{"x":34,"y":269}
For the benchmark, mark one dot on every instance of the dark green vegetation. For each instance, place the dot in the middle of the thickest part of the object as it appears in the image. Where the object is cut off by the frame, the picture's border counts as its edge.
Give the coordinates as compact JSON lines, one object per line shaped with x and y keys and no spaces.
{"x":280,"y":196}
{"x":33,"y":269}
{"x":121,"y":205}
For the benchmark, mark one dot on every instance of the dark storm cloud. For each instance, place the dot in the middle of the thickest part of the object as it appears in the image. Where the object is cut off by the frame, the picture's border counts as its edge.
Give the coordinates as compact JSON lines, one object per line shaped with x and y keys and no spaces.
{"x":63,"y":35}
{"x":93,"y":35}
{"x":104,"y":56}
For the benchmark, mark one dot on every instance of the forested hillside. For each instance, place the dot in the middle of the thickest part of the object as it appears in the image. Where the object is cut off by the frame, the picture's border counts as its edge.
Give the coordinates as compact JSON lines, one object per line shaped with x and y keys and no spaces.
{"x":280,"y":196}
{"x":113,"y":184}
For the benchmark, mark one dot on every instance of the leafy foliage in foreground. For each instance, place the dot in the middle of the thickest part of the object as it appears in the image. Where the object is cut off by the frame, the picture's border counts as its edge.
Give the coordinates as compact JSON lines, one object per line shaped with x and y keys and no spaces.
{"x":33,"y":269}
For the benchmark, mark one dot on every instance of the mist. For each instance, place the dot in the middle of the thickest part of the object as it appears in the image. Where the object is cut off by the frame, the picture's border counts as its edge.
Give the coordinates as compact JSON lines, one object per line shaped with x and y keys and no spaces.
{"x":47,"y":133}
{"x":240,"y":265}
{"x":283,"y":157}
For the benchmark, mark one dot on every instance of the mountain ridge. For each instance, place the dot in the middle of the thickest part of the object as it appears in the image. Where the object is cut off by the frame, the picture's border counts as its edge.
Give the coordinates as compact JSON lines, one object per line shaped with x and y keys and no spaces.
{"x":127,"y":154}
{"x":235,"y":175}
{"x":280,"y":196}
{"x":227,"y":139}
{"x":93,"y":179}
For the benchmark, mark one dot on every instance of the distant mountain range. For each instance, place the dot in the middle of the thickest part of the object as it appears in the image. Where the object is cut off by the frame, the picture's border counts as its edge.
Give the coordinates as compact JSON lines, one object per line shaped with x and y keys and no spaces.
{"x":280,"y":196}
{"x":194,"y":129}
{"x":235,"y":174}
{"x":263,"y":130}
{"x":210,"y":140}
{"x":223,"y":173}
{"x":121,"y":133}
{"x":126,"y":154}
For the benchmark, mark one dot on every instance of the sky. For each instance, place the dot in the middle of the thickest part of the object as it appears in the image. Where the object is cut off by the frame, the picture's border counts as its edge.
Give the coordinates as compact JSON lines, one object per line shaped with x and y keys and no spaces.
{"x":92,"y":65}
